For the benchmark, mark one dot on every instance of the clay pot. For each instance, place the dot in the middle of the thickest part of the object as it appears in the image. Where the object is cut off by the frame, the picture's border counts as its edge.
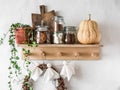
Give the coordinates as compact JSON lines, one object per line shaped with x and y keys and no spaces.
{"x":20,"y":36}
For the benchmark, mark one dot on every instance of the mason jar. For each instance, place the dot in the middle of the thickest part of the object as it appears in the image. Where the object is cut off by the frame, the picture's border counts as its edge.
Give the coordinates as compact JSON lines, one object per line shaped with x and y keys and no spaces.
{"x":58,"y":23}
{"x":70,"y":36}
{"x":41,"y":34}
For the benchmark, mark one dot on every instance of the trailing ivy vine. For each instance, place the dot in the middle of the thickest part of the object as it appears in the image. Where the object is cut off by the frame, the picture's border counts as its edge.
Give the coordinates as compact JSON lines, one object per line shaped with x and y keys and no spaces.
{"x":14,"y":67}
{"x":27,"y":64}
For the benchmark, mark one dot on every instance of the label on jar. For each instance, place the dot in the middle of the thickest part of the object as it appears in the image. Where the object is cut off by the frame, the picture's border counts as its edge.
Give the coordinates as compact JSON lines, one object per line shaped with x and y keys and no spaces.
{"x":58,"y":38}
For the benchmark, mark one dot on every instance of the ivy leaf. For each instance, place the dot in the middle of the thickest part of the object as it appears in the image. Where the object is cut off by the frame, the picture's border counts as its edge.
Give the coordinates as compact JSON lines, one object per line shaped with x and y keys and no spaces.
{"x":9,"y":82}
{"x":31,"y":88}
{"x":1,"y":41}
{"x":17,"y":67}
{"x":17,"y":58}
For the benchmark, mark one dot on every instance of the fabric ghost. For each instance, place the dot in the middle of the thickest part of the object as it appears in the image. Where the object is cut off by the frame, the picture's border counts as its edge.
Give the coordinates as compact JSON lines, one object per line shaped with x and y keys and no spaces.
{"x":50,"y":74}
{"x":49,"y":86}
{"x":36,"y":73}
{"x":67,"y":70}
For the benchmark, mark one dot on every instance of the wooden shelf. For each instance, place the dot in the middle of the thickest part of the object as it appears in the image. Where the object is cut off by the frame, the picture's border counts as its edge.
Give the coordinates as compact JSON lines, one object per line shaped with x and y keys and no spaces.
{"x":64,"y":52}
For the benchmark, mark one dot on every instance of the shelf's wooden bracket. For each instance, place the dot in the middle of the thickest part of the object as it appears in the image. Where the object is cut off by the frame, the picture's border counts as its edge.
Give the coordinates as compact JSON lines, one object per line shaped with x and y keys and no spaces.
{"x":64,"y":52}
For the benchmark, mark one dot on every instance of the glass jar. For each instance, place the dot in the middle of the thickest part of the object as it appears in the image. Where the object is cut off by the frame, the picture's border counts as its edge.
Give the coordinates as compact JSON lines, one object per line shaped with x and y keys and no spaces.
{"x":58,"y":38}
{"x":70,"y":35}
{"x":58,"y":23}
{"x":41,"y":34}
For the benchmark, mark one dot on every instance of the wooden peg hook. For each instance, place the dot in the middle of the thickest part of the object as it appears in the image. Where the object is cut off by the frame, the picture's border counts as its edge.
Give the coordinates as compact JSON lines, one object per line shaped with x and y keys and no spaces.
{"x":94,"y":54}
{"x":43,"y":53}
{"x":59,"y":54}
{"x":76,"y":54}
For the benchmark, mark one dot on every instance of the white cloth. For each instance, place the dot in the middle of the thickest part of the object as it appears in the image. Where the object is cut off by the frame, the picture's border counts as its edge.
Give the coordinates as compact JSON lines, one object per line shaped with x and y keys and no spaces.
{"x":40,"y":84}
{"x":50,"y":74}
{"x":36,"y":73}
{"x":49,"y":86}
{"x":67,"y":71}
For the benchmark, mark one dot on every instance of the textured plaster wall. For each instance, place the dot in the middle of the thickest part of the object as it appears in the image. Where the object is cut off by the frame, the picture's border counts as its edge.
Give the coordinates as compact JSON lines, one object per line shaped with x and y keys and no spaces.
{"x":103,"y":74}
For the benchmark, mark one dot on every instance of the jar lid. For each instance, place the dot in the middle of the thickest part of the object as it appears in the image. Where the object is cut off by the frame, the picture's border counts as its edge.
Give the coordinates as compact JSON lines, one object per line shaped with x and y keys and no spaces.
{"x":58,"y":18}
{"x":41,"y":28}
{"x":70,"y":28}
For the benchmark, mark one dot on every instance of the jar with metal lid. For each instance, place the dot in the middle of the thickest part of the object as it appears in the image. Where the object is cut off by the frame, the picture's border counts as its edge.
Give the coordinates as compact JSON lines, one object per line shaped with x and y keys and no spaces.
{"x":58,"y":23}
{"x":41,"y":34}
{"x":70,"y":35}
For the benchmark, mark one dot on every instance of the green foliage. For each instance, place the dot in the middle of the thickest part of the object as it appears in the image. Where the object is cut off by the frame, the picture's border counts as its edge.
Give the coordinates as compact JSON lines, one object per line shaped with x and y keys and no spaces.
{"x":14,"y":68}
{"x":3,"y":38}
{"x":18,"y":25}
{"x":27,"y":62}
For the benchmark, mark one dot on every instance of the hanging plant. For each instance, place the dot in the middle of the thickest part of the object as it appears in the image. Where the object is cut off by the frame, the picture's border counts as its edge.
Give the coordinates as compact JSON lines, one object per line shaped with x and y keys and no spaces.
{"x":18,"y":33}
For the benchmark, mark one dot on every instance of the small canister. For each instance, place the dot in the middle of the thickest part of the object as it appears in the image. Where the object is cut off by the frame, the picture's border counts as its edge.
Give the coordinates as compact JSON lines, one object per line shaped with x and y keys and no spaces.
{"x":70,"y":35}
{"x":41,"y":34}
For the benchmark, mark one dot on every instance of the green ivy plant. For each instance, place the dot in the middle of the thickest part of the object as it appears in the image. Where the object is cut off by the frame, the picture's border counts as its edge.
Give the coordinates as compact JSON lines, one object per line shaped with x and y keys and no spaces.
{"x":14,"y":68}
{"x":2,"y":38}
{"x":27,"y":63}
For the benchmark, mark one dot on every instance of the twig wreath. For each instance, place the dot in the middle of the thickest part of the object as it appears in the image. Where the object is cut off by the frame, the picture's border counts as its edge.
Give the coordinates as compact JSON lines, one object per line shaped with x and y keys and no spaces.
{"x":27,"y":85}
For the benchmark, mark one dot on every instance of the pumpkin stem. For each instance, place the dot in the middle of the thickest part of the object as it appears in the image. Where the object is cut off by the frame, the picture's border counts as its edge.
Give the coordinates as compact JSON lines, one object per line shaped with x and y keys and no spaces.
{"x":89,"y":16}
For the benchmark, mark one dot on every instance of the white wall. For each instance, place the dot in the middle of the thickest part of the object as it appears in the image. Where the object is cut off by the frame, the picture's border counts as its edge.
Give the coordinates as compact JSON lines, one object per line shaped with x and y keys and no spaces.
{"x":103,"y":74}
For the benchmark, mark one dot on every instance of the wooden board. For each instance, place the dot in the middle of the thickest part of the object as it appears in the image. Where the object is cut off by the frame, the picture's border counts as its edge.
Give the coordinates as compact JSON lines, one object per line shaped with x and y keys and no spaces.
{"x":46,"y":17}
{"x":36,"y":19}
{"x":64,"y":52}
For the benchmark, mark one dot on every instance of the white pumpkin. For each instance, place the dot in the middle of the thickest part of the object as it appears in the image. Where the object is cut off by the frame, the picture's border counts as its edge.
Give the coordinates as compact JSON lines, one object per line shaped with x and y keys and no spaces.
{"x":88,"y":32}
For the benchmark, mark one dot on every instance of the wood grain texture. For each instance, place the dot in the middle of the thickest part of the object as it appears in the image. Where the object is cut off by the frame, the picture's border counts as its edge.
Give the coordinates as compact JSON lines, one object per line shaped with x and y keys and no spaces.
{"x":36,"y":19}
{"x":64,"y":52}
{"x":46,"y":17}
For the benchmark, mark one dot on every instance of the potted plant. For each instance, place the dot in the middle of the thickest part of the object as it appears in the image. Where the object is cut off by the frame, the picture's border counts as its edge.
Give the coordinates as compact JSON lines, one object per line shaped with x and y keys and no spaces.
{"x":21,"y":31}
{"x":18,"y":33}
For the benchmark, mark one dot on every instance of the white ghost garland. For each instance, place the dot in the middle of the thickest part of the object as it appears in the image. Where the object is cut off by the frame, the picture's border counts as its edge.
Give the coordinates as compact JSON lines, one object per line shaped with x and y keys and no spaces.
{"x":50,"y":74}
{"x":67,"y":71}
